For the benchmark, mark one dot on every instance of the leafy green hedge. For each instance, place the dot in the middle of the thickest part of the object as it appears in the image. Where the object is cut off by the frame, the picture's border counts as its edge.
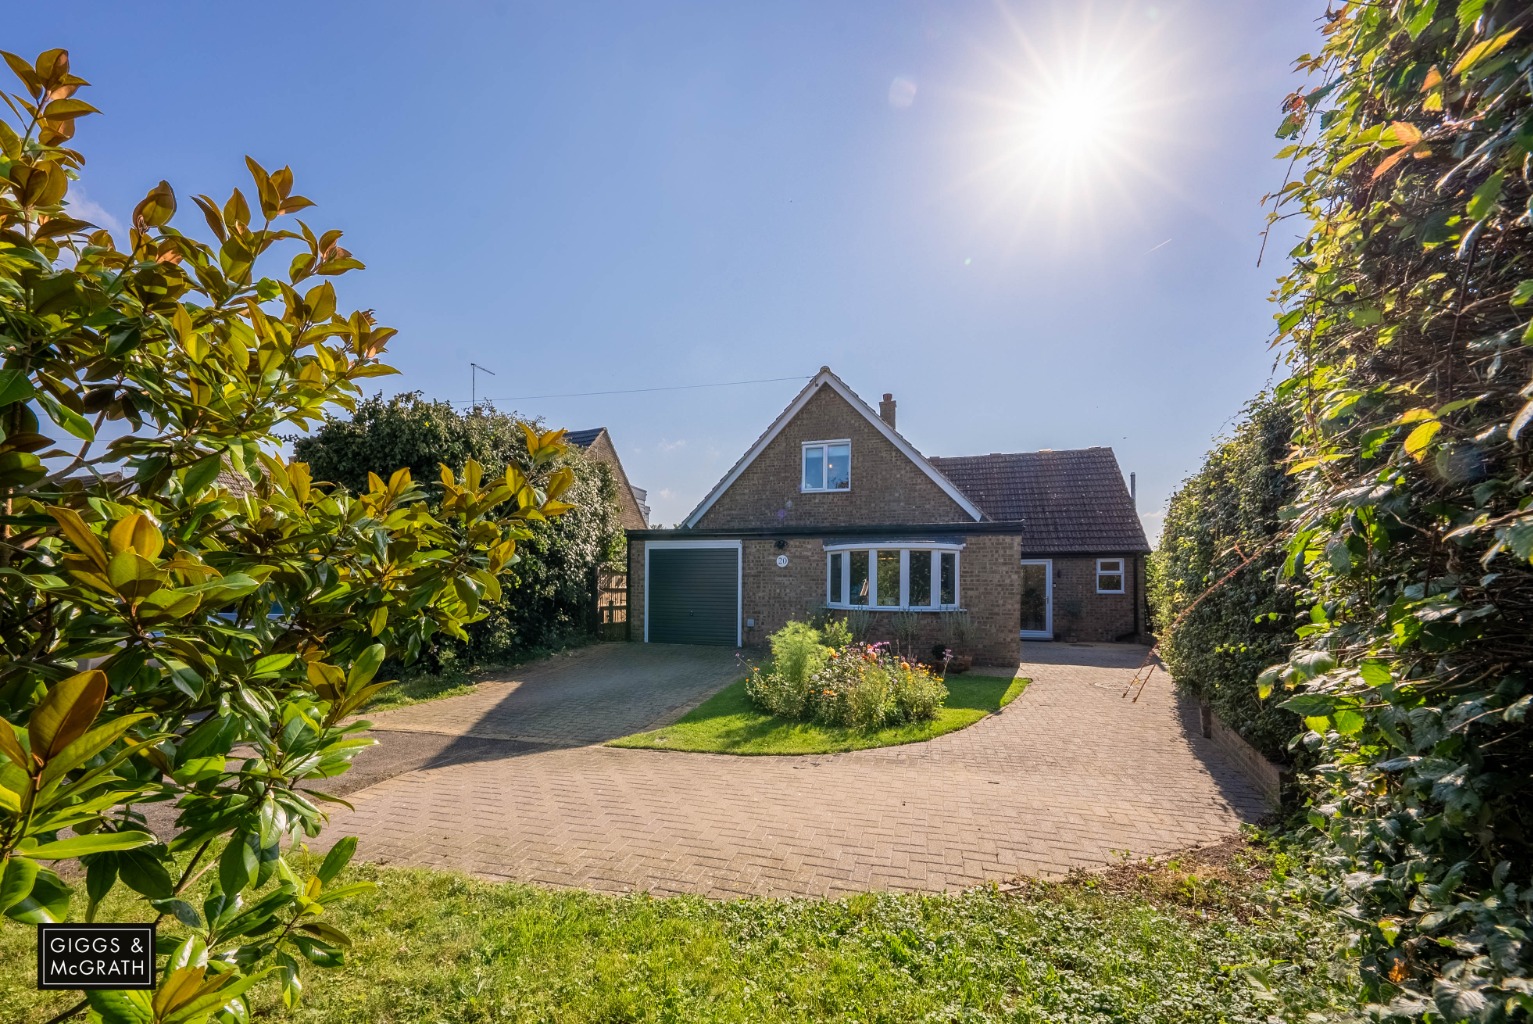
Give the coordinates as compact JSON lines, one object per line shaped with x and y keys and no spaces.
{"x":1227,"y":511}
{"x":1406,"y":318}
{"x":549,"y":593}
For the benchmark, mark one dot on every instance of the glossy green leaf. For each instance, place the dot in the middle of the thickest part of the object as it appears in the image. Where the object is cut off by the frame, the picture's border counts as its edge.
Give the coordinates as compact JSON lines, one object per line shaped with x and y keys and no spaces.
{"x":96,"y":842}
{"x":16,"y":881}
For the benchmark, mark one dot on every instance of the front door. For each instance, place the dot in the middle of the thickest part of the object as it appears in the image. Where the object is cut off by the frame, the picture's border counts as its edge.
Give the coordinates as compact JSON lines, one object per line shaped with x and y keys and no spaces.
{"x":1038,"y":600}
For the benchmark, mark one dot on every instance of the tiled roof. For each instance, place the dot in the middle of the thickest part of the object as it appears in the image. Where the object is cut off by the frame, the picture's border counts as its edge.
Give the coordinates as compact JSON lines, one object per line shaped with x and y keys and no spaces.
{"x":583,"y":438}
{"x":1068,"y":501}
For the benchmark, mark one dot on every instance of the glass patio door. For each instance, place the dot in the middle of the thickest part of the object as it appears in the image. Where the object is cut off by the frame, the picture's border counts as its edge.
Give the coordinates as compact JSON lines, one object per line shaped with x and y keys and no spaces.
{"x":1038,"y":600}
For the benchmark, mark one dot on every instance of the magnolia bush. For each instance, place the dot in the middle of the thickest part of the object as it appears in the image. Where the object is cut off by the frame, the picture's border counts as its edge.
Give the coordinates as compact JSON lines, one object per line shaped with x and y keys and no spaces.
{"x":552,"y":593}
{"x":186,"y":619}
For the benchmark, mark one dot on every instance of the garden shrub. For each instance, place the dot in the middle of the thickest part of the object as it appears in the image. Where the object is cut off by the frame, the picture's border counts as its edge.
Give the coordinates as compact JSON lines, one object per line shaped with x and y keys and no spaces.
{"x":1225,"y":513}
{"x":1406,"y":320}
{"x":798,"y":652}
{"x":867,"y":687}
{"x":548,"y":598}
{"x":820,"y":675}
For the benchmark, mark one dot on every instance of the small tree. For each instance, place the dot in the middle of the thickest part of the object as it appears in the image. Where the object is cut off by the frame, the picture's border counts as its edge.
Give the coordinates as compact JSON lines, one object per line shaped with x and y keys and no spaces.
{"x":182,"y":591}
{"x":550,"y":591}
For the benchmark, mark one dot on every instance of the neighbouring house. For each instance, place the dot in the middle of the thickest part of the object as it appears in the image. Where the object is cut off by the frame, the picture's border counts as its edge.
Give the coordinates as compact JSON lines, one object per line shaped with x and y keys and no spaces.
{"x":598,"y":445}
{"x":833,"y":508}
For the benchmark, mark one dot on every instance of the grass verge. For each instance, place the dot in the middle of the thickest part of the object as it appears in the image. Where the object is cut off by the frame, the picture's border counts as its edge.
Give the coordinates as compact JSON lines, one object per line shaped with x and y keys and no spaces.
{"x":1180,"y":942}
{"x":728,"y":723}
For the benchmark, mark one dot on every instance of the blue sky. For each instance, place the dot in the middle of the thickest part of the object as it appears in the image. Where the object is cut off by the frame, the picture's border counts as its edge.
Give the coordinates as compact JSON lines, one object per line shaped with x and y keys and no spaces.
{"x":587,"y":197}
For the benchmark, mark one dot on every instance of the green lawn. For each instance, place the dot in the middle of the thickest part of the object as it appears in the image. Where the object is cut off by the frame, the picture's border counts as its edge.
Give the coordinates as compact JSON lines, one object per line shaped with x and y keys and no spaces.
{"x":1182,"y":944}
{"x":728,"y":723}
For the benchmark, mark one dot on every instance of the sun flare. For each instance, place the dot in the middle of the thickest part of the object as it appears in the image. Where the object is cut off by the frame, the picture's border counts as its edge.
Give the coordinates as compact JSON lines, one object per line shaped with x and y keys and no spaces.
{"x":1075,"y":130}
{"x":1071,"y":125}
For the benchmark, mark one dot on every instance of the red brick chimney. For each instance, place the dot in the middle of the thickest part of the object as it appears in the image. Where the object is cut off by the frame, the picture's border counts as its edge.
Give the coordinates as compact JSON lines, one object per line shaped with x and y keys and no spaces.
{"x":886,"y":410}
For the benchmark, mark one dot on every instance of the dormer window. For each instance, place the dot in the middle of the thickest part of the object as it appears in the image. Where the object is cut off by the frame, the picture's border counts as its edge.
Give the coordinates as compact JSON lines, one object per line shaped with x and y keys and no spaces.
{"x":827,"y":466}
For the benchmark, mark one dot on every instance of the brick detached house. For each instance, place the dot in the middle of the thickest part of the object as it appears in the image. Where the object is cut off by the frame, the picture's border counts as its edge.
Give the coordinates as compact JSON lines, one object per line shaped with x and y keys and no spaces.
{"x":833,"y":508}
{"x":630,"y":499}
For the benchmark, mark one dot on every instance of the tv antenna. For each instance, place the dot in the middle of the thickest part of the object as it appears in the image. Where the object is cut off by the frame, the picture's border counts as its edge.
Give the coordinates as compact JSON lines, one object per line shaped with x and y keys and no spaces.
{"x":474,"y":369}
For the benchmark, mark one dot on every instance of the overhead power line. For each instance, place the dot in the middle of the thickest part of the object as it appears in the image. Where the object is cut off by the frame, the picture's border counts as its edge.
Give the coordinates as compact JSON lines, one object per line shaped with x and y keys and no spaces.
{"x":639,"y":391}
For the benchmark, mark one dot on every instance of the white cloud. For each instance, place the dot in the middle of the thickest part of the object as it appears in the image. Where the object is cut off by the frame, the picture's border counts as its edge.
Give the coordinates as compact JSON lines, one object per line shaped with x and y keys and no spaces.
{"x":671,"y":446}
{"x":902,"y":93}
{"x":82,"y":207}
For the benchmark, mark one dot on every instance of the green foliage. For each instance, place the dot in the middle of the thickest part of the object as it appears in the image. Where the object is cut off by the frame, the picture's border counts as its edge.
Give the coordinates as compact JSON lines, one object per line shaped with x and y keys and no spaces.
{"x":1231,"y":626}
{"x":548,"y":592}
{"x":181,"y":592}
{"x":1407,"y":323}
{"x":864,"y":687}
{"x":869,"y":688}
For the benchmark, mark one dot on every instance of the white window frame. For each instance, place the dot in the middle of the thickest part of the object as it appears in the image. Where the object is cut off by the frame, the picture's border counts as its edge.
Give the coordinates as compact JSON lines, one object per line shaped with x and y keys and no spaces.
{"x":824,"y":447}
{"x":907,"y":550}
{"x":1121,"y":572}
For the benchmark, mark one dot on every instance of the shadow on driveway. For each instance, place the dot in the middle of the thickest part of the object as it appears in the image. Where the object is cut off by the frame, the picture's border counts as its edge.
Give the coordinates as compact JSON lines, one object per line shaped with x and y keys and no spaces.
{"x":592,"y":695}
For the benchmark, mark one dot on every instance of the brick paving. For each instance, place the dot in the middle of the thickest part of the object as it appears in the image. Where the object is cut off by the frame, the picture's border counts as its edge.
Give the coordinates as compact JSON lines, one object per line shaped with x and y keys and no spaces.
{"x":1070,"y":775}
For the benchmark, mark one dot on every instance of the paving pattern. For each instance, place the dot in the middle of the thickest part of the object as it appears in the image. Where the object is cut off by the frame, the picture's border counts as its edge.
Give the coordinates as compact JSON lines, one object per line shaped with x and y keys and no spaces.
{"x":1070,"y":775}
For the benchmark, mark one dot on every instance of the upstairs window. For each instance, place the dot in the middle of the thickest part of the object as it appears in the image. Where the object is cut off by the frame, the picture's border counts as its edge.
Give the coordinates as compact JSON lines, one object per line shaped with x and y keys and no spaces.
{"x":827,"y":466}
{"x":1110,"y":576}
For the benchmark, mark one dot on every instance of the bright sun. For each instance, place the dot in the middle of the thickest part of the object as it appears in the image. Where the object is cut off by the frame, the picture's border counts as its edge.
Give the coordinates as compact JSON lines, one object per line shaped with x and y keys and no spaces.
{"x":1075,"y":130}
{"x":1072,"y":125}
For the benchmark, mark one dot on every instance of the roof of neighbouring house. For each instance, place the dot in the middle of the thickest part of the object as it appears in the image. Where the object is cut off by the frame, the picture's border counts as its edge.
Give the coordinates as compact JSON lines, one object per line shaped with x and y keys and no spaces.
{"x":1068,"y":501}
{"x":583,"y":438}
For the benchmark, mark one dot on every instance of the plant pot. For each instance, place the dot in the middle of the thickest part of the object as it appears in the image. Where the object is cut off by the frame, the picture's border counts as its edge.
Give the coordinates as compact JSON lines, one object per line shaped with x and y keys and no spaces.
{"x":960,"y":663}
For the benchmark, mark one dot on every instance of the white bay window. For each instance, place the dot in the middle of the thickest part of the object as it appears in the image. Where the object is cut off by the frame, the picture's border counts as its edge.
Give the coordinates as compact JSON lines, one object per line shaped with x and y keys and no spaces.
{"x":893,"y":576}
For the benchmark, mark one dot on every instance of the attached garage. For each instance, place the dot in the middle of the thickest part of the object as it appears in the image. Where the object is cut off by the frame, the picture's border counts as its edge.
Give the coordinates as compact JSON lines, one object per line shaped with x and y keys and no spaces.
{"x":692,"y":592}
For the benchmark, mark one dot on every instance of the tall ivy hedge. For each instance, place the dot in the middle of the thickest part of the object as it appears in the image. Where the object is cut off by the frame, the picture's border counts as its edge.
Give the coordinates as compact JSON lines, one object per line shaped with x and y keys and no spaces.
{"x":1406,"y":320}
{"x":1216,"y":634}
{"x":549,"y":595}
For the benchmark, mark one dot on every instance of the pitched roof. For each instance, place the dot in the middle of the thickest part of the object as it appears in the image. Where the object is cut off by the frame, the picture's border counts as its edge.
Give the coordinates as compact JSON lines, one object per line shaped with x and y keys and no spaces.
{"x":1068,"y":501}
{"x":825,"y":378}
{"x":583,"y":438}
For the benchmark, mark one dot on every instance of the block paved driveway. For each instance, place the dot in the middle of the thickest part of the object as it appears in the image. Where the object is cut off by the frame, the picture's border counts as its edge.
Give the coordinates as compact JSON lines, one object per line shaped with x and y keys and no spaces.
{"x":511,"y":782}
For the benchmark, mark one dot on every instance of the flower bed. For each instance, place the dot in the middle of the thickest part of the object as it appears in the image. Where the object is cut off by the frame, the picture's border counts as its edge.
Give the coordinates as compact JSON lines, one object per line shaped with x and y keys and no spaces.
{"x":820,"y":675}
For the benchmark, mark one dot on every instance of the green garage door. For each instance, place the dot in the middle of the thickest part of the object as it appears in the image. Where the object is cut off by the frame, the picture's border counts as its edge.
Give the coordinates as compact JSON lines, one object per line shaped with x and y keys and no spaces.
{"x":694,"y":596}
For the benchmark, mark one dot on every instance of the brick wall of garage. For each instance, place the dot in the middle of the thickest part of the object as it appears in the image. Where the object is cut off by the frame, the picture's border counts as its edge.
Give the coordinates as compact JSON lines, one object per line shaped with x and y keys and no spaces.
{"x":636,"y":585}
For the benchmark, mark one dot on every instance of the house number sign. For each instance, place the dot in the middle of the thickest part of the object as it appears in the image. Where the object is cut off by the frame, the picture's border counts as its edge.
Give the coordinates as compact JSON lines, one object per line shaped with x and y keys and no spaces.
{"x":782,"y":561}
{"x":81,"y":956}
